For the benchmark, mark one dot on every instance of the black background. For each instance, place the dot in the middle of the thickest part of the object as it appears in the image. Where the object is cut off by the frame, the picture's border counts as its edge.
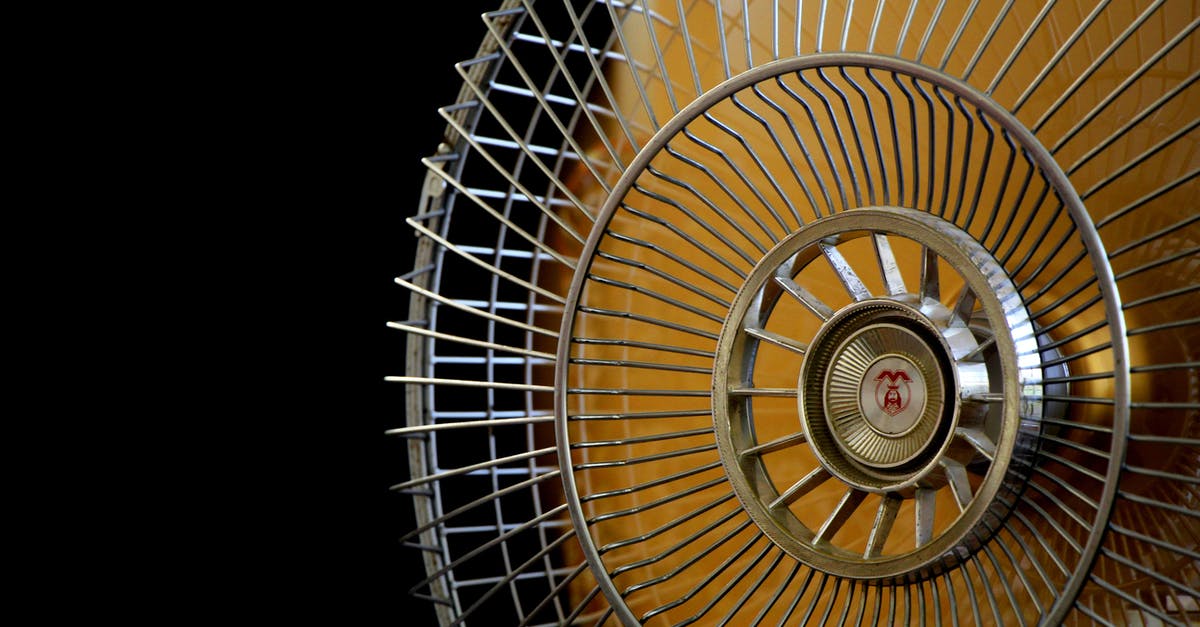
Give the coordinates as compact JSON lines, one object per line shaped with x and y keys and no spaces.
{"x":424,"y":78}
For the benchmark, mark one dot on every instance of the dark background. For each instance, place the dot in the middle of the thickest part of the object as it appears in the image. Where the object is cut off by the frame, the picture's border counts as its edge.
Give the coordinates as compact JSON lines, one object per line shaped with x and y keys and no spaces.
{"x":422,"y":73}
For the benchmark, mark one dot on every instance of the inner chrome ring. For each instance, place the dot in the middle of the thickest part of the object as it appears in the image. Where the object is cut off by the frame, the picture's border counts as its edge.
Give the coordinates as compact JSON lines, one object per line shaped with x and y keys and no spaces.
{"x":904,"y":406}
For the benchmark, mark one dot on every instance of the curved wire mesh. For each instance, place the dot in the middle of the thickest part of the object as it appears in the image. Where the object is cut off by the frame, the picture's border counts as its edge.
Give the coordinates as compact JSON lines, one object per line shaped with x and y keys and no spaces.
{"x":558,"y":104}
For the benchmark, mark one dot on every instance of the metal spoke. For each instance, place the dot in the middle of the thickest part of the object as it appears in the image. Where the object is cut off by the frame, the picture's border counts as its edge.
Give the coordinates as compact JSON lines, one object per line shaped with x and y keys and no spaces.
{"x":729,"y":193}
{"x":841,"y":513}
{"x":645,"y":459}
{"x":978,"y":350}
{"x":658,"y":322}
{"x":805,"y":485}
{"x":889,"y":269}
{"x":787,"y":614}
{"x":889,"y":506}
{"x":683,"y":208}
{"x":464,"y":424}
{"x":483,"y":264}
{"x":745,"y":180}
{"x":787,"y":581}
{"x":963,"y":308}
{"x":691,"y":561}
{"x":642,"y":439}
{"x":930,"y":290}
{"x":923,"y":513}
{"x":511,"y":576}
{"x":778,"y":392}
{"x":498,"y":494}
{"x":708,"y":579}
{"x":670,"y":525}
{"x":785,"y":153}
{"x":733,"y":581}
{"x":499,"y":539}
{"x":644,"y":365}
{"x":854,"y":286}
{"x":1009,"y":593}
{"x":625,"y":491}
{"x":475,"y":311}
{"x":441,"y":476}
{"x":778,"y":444}
{"x":672,"y":278}
{"x":956,"y":474}
{"x":779,"y":147}
{"x":673,"y":302}
{"x":797,"y":136}
{"x":781,"y":341}
{"x":986,"y":397}
{"x":805,"y":298}
{"x":644,"y":415}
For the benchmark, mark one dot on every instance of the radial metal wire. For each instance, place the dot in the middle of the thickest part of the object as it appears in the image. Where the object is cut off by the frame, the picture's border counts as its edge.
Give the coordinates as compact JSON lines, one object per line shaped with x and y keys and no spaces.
{"x":624,"y":217}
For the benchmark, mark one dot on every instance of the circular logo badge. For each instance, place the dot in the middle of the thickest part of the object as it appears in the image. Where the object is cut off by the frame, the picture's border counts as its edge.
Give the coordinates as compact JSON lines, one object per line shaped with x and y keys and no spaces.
{"x":892,"y":395}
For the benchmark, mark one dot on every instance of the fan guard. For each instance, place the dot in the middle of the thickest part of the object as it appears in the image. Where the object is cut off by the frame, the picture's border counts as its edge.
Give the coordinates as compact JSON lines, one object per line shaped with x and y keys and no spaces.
{"x":855,"y":312}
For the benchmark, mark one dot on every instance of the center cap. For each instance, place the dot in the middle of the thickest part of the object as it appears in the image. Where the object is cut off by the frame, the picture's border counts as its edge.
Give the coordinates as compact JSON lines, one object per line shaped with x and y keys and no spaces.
{"x":892,"y":395}
{"x":878,"y":418}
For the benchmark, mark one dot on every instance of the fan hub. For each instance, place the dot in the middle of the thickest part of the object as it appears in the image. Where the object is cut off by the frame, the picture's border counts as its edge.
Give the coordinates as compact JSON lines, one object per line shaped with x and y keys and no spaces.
{"x":900,"y":397}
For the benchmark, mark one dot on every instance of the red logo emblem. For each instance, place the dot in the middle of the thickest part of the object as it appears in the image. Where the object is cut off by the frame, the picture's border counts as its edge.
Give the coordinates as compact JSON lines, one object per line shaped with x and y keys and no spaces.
{"x":892,"y":400}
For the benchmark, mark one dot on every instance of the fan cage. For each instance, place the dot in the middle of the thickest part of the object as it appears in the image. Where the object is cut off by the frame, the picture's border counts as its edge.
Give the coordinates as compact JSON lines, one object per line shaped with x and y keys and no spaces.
{"x":511,"y":195}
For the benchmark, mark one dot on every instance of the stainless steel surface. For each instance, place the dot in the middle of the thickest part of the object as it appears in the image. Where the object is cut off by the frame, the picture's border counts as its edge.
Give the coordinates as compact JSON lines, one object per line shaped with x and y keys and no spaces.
{"x":669,"y":248}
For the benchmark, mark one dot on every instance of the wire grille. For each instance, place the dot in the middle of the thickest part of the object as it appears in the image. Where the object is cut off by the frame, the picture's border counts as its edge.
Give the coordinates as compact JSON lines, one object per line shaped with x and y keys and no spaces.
{"x":559,"y":103}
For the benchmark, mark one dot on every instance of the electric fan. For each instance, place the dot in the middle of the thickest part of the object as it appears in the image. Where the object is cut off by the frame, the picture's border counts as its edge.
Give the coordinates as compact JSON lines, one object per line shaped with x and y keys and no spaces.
{"x":819,"y":312}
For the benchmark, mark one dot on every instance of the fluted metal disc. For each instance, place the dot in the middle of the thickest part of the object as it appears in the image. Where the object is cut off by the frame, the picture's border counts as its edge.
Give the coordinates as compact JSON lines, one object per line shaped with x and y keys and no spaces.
{"x":883,"y":395}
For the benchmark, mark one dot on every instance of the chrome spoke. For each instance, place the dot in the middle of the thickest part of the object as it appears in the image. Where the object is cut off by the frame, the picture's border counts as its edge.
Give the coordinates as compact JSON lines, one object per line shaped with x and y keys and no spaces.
{"x":963,"y":308}
{"x":960,"y":486}
{"x":889,"y":269}
{"x":854,"y":286}
{"x":978,"y":439}
{"x":978,"y":350}
{"x":781,"y":341}
{"x":926,"y":500}
{"x":805,"y":298}
{"x":986,"y":397}
{"x":752,"y":391}
{"x":778,"y":444}
{"x":885,"y":517}
{"x":930,"y":290}
{"x":841,"y":513}
{"x":805,"y":485}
